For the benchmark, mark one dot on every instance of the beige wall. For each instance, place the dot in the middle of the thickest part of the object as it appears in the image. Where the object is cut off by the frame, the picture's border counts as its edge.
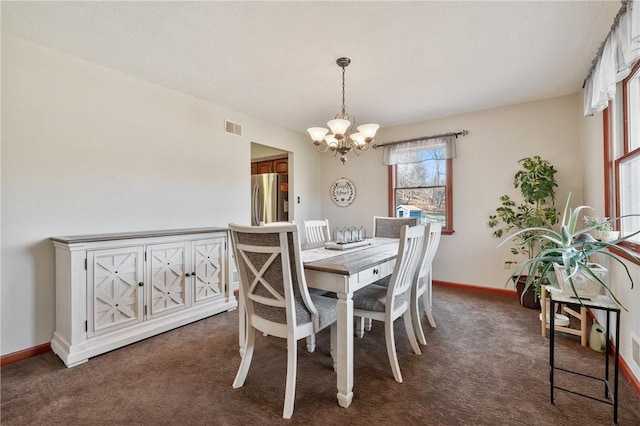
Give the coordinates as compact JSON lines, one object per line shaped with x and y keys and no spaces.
{"x":482,"y":172}
{"x":591,"y":129}
{"x":86,"y":149}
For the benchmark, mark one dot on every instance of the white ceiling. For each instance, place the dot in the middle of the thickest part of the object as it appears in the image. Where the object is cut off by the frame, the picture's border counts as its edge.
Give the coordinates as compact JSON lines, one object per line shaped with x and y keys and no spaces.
{"x":411,"y":61}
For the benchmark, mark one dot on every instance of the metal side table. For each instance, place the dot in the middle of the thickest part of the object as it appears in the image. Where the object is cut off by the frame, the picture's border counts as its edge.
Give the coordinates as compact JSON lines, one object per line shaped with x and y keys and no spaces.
{"x":603,"y":303}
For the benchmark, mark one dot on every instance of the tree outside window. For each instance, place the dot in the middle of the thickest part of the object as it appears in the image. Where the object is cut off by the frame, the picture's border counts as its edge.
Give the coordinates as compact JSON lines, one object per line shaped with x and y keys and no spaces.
{"x":422,"y":188}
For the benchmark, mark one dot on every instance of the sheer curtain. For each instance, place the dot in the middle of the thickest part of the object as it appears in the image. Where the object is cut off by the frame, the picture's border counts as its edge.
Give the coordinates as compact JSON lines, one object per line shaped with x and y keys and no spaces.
{"x":621,"y":50}
{"x":409,"y":152}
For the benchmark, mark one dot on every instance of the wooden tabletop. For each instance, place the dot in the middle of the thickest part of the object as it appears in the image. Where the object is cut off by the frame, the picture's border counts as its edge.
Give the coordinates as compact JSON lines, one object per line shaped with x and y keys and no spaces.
{"x":601,"y":302}
{"x":350,"y":262}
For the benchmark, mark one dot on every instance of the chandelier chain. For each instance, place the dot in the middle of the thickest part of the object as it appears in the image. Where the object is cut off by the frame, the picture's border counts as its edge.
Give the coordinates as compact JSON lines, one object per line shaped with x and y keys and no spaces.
{"x":344,"y":107}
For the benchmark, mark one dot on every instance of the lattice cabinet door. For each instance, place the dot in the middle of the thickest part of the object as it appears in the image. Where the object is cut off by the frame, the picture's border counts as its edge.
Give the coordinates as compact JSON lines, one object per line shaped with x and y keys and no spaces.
{"x":167,"y":266}
{"x":114,"y":289}
{"x":209,"y":277}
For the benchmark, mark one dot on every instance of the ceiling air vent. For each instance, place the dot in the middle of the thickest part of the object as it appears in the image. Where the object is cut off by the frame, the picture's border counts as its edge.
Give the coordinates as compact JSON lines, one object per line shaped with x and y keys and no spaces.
{"x":232,"y":128}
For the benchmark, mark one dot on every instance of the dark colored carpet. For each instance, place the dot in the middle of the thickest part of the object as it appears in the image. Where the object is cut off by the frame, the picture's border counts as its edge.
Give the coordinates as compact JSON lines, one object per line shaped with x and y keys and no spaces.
{"x":485,"y":364}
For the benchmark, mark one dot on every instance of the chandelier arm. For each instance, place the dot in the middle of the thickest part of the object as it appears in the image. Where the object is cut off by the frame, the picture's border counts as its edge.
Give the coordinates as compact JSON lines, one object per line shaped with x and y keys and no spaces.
{"x":320,"y":150}
{"x":350,"y":129}
{"x":364,"y":147}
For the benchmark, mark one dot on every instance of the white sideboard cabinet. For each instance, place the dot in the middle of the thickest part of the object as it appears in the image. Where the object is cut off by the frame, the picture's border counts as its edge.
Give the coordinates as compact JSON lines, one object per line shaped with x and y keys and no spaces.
{"x":116,"y":289}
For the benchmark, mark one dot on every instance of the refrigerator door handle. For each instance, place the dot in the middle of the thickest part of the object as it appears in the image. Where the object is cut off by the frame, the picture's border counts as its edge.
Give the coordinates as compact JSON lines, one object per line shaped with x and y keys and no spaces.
{"x":256,"y":204}
{"x":254,"y":200}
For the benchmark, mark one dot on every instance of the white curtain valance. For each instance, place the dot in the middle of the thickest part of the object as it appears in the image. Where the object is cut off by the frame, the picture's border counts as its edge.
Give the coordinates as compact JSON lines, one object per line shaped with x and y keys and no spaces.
{"x":621,"y":50}
{"x":409,"y":152}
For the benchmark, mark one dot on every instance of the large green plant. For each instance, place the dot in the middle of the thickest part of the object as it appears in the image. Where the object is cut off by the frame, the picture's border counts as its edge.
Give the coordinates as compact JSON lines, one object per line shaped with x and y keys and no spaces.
{"x":537,"y":183}
{"x":571,"y":248}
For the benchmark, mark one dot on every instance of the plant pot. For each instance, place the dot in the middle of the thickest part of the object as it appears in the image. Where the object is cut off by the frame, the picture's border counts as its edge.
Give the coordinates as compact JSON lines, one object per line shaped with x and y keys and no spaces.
{"x":528,"y":298}
{"x":606,"y":236}
{"x":584,"y":285}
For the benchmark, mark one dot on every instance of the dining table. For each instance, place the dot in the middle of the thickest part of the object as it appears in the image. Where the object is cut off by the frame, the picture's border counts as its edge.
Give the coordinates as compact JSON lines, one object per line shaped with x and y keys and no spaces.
{"x":343,"y":272}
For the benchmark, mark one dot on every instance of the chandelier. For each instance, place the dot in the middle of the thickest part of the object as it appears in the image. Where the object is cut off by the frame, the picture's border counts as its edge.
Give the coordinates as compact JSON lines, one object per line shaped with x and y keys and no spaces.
{"x":338,"y":138}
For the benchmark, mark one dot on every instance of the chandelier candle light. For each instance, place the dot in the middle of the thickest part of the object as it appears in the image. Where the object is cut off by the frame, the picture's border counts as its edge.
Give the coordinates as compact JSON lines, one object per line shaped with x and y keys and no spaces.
{"x":341,"y":140}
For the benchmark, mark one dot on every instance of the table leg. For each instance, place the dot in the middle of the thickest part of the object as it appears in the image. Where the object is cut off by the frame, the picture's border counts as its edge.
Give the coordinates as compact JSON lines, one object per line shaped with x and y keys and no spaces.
{"x":583,"y":327}
{"x":615,"y":369}
{"x":345,"y":349}
{"x":543,"y":311}
{"x":242,"y":324}
{"x":552,"y":332}
{"x":607,"y":351}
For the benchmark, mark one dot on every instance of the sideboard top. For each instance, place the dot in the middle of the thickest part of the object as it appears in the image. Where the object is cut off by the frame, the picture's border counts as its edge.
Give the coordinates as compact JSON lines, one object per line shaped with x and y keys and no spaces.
{"x":127,"y":235}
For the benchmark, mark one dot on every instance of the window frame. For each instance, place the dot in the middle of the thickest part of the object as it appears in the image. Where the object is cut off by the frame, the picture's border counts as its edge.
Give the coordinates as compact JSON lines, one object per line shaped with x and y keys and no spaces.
{"x":612,"y":163}
{"x":392,"y":174}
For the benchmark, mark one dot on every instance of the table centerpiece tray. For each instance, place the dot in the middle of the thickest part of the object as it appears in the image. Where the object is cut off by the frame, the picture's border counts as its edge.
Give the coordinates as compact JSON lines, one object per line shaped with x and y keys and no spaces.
{"x":345,"y":246}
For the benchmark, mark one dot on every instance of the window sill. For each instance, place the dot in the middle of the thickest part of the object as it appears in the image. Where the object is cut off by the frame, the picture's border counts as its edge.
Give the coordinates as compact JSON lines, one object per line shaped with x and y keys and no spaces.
{"x":633,"y":247}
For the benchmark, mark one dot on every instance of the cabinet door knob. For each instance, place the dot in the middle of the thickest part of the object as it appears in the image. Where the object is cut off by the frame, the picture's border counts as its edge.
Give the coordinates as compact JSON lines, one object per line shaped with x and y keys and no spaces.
{"x":193,"y":273}
{"x":187,"y":274}
{"x":375,"y":271}
{"x":140,"y":284}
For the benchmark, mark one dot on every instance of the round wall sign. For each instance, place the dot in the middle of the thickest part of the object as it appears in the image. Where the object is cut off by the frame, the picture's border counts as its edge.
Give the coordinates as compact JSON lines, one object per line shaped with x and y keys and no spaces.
{"x":343,"y":192}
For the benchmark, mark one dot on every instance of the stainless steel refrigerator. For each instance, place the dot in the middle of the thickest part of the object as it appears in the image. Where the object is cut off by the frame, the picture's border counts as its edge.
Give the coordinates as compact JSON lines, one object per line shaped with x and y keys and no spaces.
{"x":269,"y":198}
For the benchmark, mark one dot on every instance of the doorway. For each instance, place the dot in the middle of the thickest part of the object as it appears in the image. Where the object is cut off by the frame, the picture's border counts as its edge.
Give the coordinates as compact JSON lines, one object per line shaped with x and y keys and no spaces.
{"x":269,"y":184}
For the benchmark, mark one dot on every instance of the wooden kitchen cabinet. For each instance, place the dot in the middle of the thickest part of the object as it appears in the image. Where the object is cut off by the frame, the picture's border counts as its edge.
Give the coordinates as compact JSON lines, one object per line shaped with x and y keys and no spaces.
{"x":279,"y":165}
{"x":265,"y":167}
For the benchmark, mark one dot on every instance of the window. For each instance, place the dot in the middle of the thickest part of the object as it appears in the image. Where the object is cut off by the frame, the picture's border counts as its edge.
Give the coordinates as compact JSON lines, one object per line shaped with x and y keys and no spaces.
{"x":622,"y":156}
{"x":423,"y":188}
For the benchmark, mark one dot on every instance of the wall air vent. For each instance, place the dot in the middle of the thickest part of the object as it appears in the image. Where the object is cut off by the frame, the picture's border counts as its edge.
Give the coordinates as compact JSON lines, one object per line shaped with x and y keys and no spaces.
{"x":232,"y":128}
{"x":635,"y":349}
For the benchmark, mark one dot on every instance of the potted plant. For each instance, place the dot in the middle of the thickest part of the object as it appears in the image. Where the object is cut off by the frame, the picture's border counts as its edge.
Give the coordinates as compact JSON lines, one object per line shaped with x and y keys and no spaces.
{"x":537,"y":184}
{"x":602,"y":228}
{"x":567,"y":256}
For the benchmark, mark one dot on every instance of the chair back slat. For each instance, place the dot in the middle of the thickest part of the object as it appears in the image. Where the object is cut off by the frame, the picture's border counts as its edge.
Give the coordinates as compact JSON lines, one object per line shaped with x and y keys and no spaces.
{"x":389,"y":227}
{"x":293,"y":222}
{"x":268,"y":301}
{"x":317,"y":231}
{"x":408,"y":260}
{"x":258,"y":276}
{"x":433,"y":231}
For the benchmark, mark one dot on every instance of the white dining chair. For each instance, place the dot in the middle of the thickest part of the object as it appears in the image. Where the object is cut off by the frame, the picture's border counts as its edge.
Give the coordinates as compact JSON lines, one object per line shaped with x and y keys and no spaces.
{"x":317,"y":232}
{"x":386,"y":304}
{"x":384,"y":227}
{"x":422,"y":286}
{"x":311,"y":340}
{"x":276,"y":297}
